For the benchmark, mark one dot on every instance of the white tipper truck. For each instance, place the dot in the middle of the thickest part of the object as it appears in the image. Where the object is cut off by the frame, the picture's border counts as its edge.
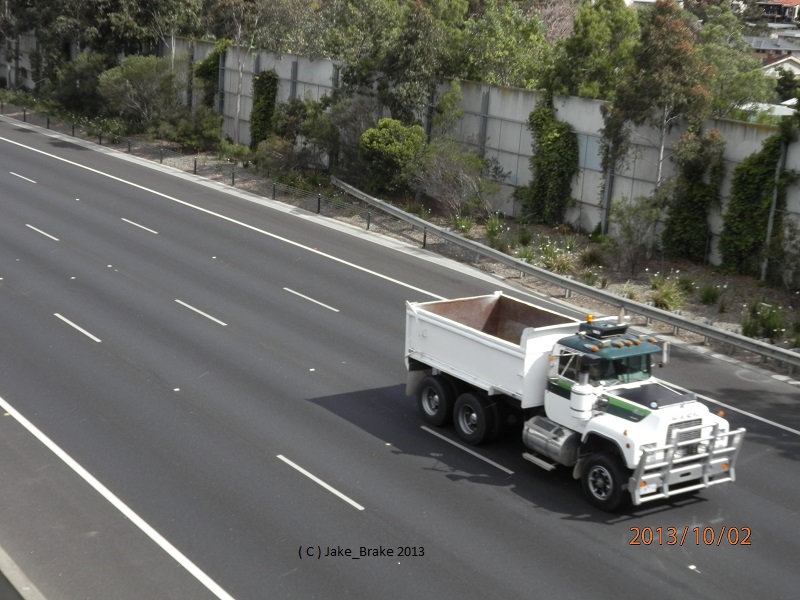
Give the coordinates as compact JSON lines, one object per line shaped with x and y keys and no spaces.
{"x":584,"y":391}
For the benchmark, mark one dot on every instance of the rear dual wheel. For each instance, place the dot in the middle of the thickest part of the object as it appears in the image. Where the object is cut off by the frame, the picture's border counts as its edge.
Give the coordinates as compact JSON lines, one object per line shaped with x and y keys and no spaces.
{"x":435,"y":397}
{"x":476,"y":418}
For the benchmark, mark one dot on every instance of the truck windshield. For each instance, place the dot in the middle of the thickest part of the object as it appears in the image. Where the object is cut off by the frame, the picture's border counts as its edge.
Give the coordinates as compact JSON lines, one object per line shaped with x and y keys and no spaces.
{"x":627,"y":369}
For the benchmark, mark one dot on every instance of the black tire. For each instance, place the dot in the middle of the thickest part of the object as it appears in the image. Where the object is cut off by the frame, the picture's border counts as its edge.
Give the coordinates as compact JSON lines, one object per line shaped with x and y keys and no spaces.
{"x":603,"y":481}
{"x":475,"y":418}
{"x":435,"y":398}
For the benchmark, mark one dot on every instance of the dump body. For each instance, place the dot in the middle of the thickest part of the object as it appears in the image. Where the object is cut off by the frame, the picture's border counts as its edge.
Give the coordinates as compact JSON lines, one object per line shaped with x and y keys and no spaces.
{"x":495,"y":343}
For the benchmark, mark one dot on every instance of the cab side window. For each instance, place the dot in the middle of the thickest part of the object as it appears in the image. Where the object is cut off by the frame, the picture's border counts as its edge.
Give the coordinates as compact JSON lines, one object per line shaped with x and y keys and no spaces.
{"x":568,"y":366}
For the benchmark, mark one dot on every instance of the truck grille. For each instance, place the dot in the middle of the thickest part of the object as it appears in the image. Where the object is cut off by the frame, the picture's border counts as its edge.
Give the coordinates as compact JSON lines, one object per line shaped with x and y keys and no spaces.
{"x":686,"y":435}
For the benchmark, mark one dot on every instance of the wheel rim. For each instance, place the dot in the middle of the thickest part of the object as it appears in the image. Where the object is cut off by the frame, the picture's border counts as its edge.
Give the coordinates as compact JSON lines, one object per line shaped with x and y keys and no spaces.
{"x":430,"y":402}
{"x":468,"y":419}
{"x":600,"y":482}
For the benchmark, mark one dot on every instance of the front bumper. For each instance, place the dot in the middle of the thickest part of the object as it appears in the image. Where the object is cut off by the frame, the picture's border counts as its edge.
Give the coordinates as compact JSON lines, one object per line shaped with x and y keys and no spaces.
{"x":674,"y":474}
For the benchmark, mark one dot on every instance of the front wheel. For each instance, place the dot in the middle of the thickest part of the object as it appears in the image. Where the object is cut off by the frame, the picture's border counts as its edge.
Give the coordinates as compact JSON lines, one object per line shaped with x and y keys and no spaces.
{"x":603,"y":481}
{"x":475,"y":418}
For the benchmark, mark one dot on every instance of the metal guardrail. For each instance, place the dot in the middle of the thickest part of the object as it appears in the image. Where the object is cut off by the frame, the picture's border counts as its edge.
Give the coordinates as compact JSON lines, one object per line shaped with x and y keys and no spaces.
{"x":629,"y":306}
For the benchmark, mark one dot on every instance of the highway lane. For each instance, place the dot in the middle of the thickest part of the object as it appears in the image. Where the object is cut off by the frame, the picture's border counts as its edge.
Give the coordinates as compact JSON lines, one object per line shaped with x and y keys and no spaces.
{"x":484,"y":530}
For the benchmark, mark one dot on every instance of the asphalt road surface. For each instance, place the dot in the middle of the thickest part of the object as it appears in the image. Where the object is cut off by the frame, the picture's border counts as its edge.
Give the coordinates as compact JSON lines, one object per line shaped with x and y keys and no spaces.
{"x":204,"y":398}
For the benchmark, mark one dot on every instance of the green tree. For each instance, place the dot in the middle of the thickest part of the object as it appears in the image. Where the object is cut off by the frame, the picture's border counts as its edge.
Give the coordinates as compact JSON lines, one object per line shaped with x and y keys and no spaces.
{"x":391,"y":150}
{"x":207,"y":72}
{"x":503,"y":47}
{"x":742,"y":241}
{"x":77,"y":83}
{"x":413,"y":66}
{"x":700,"y":168}
{"x":554,"y":165}
{"x":786,"y":86}
{"x":265,"y":92}
{"x":361,"y":37}
{"x":667,"y":84}
{"x":633,"y":226}
{"x":142,"y":89}
{"x":597,"y":58}
{"x":736,"y":77}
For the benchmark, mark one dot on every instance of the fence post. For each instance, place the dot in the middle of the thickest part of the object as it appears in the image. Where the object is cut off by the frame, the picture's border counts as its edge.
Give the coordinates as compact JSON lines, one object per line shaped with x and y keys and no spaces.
{"x":319,"y":203}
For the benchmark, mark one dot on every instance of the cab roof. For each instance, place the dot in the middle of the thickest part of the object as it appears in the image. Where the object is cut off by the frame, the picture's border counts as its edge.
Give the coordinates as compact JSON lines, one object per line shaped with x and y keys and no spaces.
{"x":609,"y":348}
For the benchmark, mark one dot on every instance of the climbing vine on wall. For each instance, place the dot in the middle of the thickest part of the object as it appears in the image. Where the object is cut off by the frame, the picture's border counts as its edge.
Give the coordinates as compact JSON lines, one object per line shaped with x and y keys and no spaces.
{"x":554,"y":164}
{"x":207,"y":71}
{"x":265,"y":93}
{"x":742,"y":241}
{"x":700,"y":169}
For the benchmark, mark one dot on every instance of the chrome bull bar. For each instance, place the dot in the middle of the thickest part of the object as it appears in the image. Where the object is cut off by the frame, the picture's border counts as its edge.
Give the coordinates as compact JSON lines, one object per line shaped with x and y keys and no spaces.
{"x":661,"y":468}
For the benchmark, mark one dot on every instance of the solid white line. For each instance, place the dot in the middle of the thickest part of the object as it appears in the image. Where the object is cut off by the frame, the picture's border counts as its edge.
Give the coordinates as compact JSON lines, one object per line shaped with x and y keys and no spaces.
{"x":140,"y":226}
{"x":81,"y":329}
{"x":316,"y":479}
{"x":200,"y":312}
{"x":311,"y":300}
{"x":42,"y":232}
{"x":749,"y":414}
{"x":171,"y":550}
{"x":21,"y":176}
{"x":228,"y":219}
{"x":734,"y":409}
{"x":465,"y":449}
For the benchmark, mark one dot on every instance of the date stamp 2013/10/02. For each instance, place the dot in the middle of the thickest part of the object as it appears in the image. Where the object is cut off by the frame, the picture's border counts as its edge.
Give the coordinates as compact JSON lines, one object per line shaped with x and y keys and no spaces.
{"x":699,"y":536}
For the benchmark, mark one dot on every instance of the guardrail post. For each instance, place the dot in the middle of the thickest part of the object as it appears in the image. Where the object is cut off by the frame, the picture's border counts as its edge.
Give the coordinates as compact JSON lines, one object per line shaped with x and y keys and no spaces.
{"x":319,"y":202}
{"x":675,"y":328}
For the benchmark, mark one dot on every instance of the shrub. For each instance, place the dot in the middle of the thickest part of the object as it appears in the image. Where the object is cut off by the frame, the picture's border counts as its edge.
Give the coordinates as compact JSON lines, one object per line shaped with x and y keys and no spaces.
{"x":630,"y":292}
{"x":668,"y":296}
{"x":710,"y":294}
{"x":494,"y":227}
{"x":590,"y":277}
{"x":762,"y":320}
{"x":525,"y":236}
{"x":526,"y":253}
{"x":463,"y":224}
{"x":391,"y":149}
{"x":593,"y":256}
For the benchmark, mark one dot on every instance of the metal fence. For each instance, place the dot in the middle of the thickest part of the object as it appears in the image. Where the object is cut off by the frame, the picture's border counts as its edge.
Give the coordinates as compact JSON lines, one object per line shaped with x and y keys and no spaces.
{"x":345,"y":202}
